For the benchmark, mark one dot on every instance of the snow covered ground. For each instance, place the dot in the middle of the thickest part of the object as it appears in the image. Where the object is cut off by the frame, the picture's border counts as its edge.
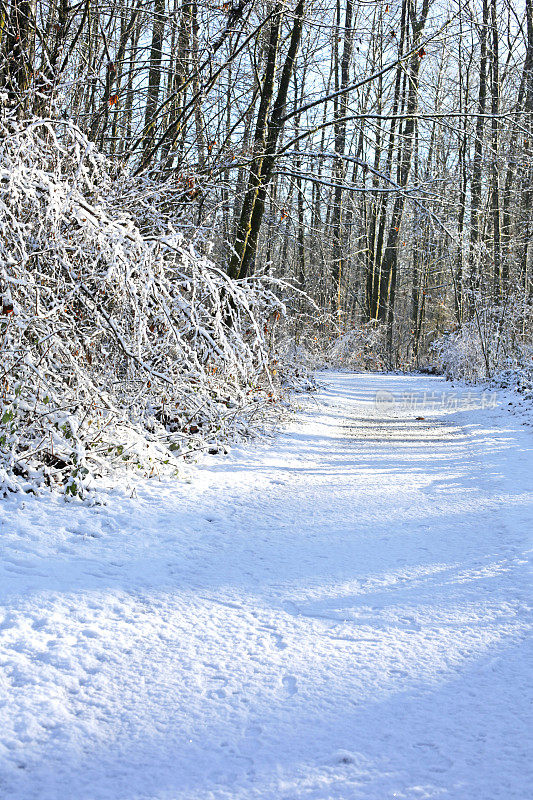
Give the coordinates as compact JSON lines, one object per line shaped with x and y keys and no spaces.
{"x":339,"y":613}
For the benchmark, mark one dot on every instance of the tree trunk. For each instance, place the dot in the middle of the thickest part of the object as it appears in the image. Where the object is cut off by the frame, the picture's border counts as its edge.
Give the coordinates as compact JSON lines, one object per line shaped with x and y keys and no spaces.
{"x":18,"y":52}
{"x":338,"y":260}
{"x":268,"y":129}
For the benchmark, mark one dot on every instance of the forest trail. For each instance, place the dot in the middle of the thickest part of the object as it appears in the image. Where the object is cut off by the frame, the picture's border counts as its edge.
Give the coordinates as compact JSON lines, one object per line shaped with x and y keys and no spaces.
{"x":341,"y":612}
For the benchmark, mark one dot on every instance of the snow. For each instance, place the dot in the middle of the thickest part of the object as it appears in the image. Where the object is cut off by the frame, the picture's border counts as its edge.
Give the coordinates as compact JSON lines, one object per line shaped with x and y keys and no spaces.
{"x":340,"y":612}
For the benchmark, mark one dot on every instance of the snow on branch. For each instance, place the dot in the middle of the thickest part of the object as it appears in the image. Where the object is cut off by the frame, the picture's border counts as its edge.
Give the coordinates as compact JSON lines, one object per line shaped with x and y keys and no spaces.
{"x":120,"y":344}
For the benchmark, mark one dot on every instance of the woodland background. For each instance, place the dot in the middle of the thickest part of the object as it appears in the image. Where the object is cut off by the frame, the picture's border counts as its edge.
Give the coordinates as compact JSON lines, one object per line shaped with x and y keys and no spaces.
{"x":199,"y":200}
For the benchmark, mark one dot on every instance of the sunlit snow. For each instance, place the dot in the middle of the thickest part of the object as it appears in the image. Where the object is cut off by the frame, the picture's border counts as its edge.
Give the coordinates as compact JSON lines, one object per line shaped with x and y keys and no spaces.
{"x":340,"y":612}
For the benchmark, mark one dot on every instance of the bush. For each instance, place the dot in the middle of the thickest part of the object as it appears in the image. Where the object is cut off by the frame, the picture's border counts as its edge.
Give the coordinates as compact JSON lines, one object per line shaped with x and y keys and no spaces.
{"x":120,"y":345}
{"x":498,"y":340}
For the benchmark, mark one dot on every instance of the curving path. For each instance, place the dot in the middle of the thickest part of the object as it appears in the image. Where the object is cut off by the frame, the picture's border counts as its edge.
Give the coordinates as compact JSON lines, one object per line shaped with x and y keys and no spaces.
{"x":339,"y":613}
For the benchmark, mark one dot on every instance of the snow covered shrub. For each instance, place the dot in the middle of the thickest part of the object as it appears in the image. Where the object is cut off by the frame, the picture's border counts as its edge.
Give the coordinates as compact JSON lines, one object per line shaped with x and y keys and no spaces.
{"x":119,"y":346}
{"x":313,"y":340}
{"x":460,"y":354}
{"x":496,"y":341}
{"x":360,"y":349}
{"x":300,"y":338}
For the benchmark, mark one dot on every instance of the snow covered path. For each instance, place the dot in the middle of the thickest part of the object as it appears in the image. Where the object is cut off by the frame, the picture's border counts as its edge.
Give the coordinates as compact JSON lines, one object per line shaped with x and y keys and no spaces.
{"x":340,"y":613}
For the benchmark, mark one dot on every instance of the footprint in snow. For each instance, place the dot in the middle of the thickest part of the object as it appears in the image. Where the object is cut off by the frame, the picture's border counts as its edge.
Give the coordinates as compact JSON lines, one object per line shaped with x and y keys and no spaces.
{"x":90,"y":633}
{"x":253,"y":729}
{"x":291,"y":608}
{"x":432,"y":756}
{"x":9,"y":621}
{"x":216,"y":694}
{"x":289,"y":682}
{"x":277,"y":637}
{"x":279,"y":641}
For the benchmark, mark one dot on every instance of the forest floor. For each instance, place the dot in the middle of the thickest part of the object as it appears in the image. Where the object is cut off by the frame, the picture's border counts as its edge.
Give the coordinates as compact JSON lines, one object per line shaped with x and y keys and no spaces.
{"x":339,"y":612}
